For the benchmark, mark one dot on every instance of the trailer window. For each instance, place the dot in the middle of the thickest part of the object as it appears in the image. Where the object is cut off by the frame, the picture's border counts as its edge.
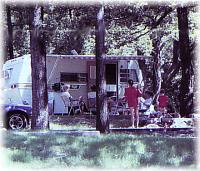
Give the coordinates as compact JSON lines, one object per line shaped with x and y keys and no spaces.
{"x":92,"y":72}
{"x":126,"y":74}
{"x":7,"y":73}
{"x":73,"y":77}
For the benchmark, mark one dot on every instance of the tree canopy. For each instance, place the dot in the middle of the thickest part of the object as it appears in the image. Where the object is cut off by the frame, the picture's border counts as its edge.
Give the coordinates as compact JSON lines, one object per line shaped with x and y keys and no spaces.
{"x":128,"y":27}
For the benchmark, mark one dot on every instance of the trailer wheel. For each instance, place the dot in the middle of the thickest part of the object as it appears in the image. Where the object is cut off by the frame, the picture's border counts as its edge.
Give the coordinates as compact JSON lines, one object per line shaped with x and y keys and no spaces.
{"x":16,"y":121}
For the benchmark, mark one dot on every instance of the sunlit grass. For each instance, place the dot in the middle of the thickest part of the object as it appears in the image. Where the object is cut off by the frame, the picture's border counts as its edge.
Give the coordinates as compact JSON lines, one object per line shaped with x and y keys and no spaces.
{"x":54,"y":126}
{"x":111,"y":151}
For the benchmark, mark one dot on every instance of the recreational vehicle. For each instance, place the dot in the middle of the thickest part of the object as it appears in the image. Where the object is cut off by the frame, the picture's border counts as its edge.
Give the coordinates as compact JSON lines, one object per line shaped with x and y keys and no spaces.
{"x":79,"y":71}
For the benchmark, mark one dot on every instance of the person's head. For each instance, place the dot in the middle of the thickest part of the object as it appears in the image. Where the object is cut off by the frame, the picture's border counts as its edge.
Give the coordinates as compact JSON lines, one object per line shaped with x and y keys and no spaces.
{"x":148,"y":94}
{"x":130,"y":83}
{"x":66,"y":87}
{"x":162,"y":91}
{"x":80,"y":98}
{"x":156,"y":107}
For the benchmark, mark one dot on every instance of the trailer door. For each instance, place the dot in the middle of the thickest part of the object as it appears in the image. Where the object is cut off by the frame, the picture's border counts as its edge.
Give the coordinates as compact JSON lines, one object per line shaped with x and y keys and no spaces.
{"x":111,"y":79}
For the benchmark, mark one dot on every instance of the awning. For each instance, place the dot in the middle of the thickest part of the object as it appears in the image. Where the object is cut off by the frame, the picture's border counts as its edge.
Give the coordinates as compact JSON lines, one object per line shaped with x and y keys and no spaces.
{"x":129,"y":57}
{"x":107,"y":57}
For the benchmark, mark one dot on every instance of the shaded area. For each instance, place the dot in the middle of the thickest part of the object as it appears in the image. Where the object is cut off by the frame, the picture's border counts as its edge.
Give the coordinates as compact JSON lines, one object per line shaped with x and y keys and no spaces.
{"x":105,"y":151}
{"x":90,"y":120}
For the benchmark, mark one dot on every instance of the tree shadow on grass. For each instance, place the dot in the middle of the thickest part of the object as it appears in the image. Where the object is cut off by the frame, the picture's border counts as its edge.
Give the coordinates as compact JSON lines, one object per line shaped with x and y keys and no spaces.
{"x":106,"y":151}
{"x":169,"y":152}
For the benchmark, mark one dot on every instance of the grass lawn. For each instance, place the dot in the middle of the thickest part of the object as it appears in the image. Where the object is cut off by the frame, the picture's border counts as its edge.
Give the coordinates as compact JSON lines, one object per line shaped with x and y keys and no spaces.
{"x":113,"y":151}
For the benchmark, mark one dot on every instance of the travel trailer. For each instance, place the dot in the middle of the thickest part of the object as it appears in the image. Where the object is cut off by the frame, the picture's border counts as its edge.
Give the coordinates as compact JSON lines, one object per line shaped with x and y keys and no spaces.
{"x":79,"y":71}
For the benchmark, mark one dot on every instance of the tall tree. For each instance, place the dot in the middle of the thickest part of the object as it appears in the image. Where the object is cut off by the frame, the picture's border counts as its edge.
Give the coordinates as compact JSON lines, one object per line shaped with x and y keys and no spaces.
{"x":10,"y":32}
{"x":38,"y":65}
{"x":185,"y":59}
{"x":157,"y":79}
{"x":156,"y":36}
{"x":143,"y":68}
{"x":102,"y":121}
{"x":171,"y":79}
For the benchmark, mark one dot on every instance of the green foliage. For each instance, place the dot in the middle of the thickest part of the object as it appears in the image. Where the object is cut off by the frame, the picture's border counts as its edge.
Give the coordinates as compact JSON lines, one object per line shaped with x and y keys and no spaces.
{"x":71,"y":27}
{"x":121,"y":40}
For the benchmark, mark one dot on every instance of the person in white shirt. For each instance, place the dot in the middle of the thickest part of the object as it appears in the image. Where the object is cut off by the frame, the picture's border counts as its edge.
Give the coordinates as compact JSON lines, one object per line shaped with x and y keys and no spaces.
{"x":65,"y":95}
{"x":146,"y":103}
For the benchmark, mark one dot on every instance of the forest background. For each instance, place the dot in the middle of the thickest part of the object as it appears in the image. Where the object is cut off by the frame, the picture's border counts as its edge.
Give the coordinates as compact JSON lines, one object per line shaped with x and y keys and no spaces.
{"x":134,"y":28}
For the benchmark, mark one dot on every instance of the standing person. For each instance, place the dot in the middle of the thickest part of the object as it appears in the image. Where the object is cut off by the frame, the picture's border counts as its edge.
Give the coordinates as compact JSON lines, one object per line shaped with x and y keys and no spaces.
{"x":66,"y":97}
{"x":163,"y":101}
{"x":131,"y":95}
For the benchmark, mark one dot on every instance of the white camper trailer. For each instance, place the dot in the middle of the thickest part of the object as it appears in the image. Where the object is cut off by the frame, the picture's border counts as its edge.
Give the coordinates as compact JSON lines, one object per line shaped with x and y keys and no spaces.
{"x":79,"y":71}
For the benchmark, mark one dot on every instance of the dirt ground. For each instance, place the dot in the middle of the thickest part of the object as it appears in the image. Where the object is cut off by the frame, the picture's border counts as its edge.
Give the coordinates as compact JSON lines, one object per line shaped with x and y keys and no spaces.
{"x":86,"y":121}
{"x":116,"y":121}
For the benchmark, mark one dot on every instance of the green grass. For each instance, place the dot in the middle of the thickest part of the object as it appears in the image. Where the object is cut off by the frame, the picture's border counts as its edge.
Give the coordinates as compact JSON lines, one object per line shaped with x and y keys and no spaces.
{"x":105,"y":151}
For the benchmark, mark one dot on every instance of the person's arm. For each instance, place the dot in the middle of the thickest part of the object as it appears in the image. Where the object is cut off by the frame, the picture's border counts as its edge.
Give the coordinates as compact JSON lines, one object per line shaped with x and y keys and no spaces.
{"x":167,"y":99}
{"x":70,"y":97}
{"x":125,"y":95}
{"x":66,"y":97}
{"x":64,"y":101}
{"x":139,"y":91}
{"x":147,"y":102}
{"x":125,"y":92}
{"x":142,"y":100}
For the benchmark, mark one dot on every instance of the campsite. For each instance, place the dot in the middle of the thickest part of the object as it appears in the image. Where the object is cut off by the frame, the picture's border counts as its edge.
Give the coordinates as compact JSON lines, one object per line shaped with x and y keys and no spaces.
{"x":100,"y":85}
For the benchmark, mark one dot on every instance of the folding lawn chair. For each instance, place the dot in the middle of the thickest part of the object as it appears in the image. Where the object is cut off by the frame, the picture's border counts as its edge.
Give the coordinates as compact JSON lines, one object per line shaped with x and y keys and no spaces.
{"x":92,"y":105}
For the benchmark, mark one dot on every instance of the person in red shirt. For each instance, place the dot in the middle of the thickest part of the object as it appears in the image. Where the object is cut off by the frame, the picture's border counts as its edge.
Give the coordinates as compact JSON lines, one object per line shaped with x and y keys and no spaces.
{"x":131,"y":95}
{"x":163,"y":101}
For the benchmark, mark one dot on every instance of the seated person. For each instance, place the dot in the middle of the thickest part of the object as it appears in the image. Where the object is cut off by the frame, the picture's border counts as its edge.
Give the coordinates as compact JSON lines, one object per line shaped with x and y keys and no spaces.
{"x":146,"y":103}
{"x":66,"y":97}
{"x":112,"y":105}
{"x":162,"y":101}
{"x":82,"y":105}
{"x":92,"y":99}
{"x":155,"y":113}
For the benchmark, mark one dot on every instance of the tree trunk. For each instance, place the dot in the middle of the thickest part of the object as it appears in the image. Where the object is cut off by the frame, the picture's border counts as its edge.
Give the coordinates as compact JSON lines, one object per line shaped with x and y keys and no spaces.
{"x":39,"y":80}
{"x":102,"y":121}
{"x":157,"y":79}
{"x":170,"y":71}
{"x":10,"y":32}
{"x":143,"y":68}
{"x":185,"y":60}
